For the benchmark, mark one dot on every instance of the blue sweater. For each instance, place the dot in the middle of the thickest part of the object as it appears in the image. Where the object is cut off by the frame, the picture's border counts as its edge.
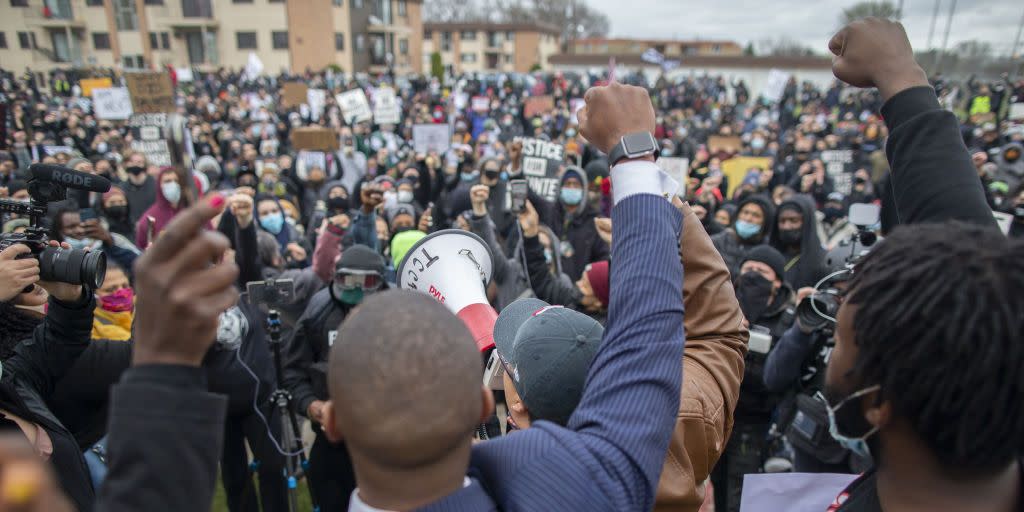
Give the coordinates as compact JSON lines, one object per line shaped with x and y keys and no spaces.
{"x":610,"y":455}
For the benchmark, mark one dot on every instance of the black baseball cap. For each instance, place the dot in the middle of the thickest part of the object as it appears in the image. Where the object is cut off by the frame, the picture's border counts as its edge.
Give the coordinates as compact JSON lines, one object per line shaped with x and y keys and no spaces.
{"x":547,"y":351}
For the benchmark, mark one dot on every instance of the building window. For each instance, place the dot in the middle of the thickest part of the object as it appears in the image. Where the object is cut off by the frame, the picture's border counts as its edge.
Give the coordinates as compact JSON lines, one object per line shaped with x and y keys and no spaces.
{"x":428,"y":34}
{"x":339,"y":41}
{"x":403,"y":46}
{"x":241,"y":1}
{"x":468,"y":35}
{"x":402,"y":8}
{"x":154,"y":43}
{"x":280,"y":39}
{"x":154,"y":2}
{"x":19,"y":3}
{"x":338,"y":3}
{"x":3,"y":40}
{"x":23,"y":41}
{"x":359,"y":42}
{"x":124,"y":15}
{"x":133,"y":61}
{"x":508,"y":59}
{"x":357,"y":4}
{"x":101,"y":40}
{"x":94,"y":3}
{"x":446,"y":41}
{"x":165,"y":40}
{"x":196,"y":9}
{"x":245,"y":40}
{"x":468,"y":57}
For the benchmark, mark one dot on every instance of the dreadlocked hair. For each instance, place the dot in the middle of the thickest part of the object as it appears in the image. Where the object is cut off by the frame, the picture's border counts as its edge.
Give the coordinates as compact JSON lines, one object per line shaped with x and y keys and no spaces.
{"x":15,"y":326}
{"x":939,"y":327}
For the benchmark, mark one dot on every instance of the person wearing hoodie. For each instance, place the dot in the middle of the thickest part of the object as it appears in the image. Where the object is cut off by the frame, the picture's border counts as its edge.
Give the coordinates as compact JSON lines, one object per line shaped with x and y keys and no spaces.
{"x":140,"y":188}
{"x":295,"y":249}
{"x":750,"y":227}
{"x":114,"y":208}
{"x":170,"y":199}
{"x":795,"y":235}
{"x":835,"y":227}
{"x":572,"y":220}
{"x":334,"y":200}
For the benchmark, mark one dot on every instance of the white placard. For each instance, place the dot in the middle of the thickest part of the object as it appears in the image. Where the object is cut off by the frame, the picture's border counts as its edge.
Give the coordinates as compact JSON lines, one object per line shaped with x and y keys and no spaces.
{"x":677,"y":169}
{"x":385,"y":107}
{"x":431,"y":137}
{"x":354,"y":106}
{"x":481,"y":104}
{"x":792,"y":492}
{"x":776,"y":86}
{"x":1016,"y":112}
{"x":184,"y":74}
{"x":112,"y":103}
{"x":316,"y":98}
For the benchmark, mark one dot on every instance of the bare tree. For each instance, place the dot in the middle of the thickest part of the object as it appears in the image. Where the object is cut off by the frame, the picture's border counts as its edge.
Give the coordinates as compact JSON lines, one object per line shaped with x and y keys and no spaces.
{"x":869,"y":9}
{"x":451,"y":10}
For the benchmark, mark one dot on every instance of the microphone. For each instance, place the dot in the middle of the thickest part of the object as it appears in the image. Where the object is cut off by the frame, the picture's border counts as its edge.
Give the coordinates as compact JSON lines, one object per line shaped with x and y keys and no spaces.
{"x":68,"y":178}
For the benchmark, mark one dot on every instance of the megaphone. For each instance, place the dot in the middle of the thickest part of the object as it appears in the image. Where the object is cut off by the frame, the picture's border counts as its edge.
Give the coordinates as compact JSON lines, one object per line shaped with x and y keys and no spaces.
{"x":454,"y":267}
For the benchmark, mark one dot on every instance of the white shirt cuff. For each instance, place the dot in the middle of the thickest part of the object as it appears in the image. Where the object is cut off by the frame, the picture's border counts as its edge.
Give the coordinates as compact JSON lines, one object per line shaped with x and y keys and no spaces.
{"x":641,"y":177}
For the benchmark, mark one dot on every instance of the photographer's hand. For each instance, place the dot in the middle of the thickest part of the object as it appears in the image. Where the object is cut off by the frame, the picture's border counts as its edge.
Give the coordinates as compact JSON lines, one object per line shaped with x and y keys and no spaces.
{"x":16,"y":274}
{"x":65,"y":292}
{"x":183,"y":284}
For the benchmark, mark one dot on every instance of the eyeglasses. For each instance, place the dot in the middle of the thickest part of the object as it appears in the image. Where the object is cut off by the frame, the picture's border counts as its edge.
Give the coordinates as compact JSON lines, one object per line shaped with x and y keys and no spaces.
{"x":351,"y":279}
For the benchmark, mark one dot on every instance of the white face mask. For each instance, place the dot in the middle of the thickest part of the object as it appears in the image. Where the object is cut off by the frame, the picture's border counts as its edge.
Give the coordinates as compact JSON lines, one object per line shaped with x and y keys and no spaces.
{"x":171,"y":191}
{"x":404,"y":196}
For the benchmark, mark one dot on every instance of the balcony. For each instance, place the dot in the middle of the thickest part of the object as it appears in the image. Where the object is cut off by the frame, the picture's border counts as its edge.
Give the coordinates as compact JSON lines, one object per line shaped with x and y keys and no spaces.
{"x":55,"y":14}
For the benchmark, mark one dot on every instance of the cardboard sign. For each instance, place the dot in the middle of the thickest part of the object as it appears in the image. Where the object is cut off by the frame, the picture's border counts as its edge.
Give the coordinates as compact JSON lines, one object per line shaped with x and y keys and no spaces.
{"x":111,"y":103}
{"x":385,"y":107}
{"x":293,"y":94}
{"x":148,"y":138}
{"x":730,"y":144}
{"x":431,"y":137}
{"x":776,"y":85}
{"x":542,"y":163}
{"x":481,"y":104}
{"x":678,"y":169}
{"x":314,"y":138}
{"x":536,"y":105}
{"x":151,"y":93}
{"x":792,"y":492}
{"x":839,"y":165}
{"x":88,"y":84}
{"x":354,"y":106}
{"x":736,"y":169}
{"x":1016,"y":112}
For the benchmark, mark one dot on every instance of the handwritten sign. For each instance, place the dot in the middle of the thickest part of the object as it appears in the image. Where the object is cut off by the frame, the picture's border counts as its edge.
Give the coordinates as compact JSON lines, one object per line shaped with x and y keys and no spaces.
{"x":542,"y":162}
{"x":481,"y":104}
{"x":1016,"y":112}
{"x":839,"y":165}
{"x":151,"y":93}
{"x":88,"y":84}
{"x":737,"y":167}
{"x":431,"y":137}
{"x":148,"y":138}
{"x":112,"y":103}
{"x":385,"y":107}
{"x":536,"y":105}
{"x":354,"y":106}
{"x":293,"y":94}
{"x":776,"y":86}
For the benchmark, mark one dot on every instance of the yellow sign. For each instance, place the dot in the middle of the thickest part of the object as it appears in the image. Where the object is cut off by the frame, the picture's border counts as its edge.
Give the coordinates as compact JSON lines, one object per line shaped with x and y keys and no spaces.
{"x":736,"y":169}
{"x":88,"y":84}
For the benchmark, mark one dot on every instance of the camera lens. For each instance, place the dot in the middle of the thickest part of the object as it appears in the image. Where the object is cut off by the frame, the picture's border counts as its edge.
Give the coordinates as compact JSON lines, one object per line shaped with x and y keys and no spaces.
{"x":811,"y":319}
{"x":73,"y":266}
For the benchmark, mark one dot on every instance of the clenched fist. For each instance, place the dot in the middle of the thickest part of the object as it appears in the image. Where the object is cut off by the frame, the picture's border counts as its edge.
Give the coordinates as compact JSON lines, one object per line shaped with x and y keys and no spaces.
{"x":874,"y":52}
{"x":615,"y":110}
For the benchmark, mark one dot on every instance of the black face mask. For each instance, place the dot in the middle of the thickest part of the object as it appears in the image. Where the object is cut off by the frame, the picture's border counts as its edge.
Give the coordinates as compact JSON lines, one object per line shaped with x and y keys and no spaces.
{"x":117,"y":212}
{"x":338,"y":203}
{"x":753,"y":291}
{"x":491,"y":175}
{"x":832,"y":214}
{"x":790,"y":237}
{"x":135,"y":171}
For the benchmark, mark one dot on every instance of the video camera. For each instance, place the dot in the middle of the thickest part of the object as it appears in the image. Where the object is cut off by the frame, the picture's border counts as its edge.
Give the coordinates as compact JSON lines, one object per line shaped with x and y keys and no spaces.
{"x":818,"y":311}
{"x":46,"y":184}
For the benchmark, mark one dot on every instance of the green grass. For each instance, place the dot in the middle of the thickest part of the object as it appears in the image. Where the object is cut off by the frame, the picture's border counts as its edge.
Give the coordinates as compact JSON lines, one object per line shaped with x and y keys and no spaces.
{"x":220,"y":501}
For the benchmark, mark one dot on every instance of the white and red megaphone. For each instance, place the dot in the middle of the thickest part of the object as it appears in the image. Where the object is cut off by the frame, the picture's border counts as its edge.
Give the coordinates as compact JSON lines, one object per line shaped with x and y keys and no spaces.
{"x":454,"y":267}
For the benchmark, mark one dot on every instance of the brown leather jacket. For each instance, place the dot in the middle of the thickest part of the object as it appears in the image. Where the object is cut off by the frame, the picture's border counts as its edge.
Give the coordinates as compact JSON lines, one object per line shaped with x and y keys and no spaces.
{"x":716,"y":342}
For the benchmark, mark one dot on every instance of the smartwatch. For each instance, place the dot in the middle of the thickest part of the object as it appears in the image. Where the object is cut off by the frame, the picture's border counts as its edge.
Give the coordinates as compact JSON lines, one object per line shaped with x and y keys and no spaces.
{"x":633,"y":145}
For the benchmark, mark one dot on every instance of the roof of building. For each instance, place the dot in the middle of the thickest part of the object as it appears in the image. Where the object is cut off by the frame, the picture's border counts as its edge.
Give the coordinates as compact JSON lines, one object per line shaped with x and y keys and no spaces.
{"x":739,"y":61}
{"x":614,"y":40}
{"x":502,"y":27}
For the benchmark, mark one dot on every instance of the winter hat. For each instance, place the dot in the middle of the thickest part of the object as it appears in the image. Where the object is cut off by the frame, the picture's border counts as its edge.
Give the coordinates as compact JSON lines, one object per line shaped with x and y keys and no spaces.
{"x":360,"y":257}
{"x":114,"y":191}
{"x":401,"y":244}
{"x":769,"y":256}
{"x":597,"y":275}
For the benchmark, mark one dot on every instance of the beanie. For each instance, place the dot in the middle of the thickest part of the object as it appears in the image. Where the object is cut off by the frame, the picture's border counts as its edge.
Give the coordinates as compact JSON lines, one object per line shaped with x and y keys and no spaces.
{"x":769,"y":256}
{"x":401,"y":244}
{"x":361,"y":257}
{"x":597,"y":275}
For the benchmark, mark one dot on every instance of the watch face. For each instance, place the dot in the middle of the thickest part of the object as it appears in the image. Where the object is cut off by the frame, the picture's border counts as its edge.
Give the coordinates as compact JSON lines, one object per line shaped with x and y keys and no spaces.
{"x":638,"y":143}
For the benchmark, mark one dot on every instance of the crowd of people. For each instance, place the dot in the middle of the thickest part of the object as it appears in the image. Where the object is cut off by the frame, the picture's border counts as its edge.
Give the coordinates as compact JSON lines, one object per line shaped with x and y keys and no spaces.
{"x":815,"y":341}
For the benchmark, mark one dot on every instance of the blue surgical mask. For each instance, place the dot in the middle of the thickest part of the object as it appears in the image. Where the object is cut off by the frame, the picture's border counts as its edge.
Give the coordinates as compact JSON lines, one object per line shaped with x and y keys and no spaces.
{"x":272,"y":222}
{"x":857,"y":445}
{"x":757,"y":144}
{"x":746,"y":230}
{"x":470,"y":176}
{"x":572,"y":196}
{"x":79,"y":244}
{"x":171,"y":191}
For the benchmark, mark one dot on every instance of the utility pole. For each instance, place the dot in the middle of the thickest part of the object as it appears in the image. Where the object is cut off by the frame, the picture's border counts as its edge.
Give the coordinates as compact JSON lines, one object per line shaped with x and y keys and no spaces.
{"x":1016,"y":41}
{"x":945,"y":38}
{"x":931,"y":32}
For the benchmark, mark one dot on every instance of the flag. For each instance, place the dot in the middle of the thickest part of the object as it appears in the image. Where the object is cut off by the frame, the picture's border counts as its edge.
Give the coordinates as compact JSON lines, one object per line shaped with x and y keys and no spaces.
{"x":652,"y":56}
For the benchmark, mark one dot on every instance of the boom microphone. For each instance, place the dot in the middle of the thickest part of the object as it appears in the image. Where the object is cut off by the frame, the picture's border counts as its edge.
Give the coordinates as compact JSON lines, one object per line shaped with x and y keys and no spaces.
{"x":68,"y":178}
{"x":454,"y":267}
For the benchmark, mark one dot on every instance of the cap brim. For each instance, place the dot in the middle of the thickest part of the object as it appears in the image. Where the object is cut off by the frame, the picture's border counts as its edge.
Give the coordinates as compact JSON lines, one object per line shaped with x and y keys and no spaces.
{"x":510,"y":320}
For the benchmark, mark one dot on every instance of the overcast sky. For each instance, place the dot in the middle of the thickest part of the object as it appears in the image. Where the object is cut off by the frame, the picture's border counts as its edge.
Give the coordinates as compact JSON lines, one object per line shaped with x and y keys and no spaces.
{"x":811,"y":22}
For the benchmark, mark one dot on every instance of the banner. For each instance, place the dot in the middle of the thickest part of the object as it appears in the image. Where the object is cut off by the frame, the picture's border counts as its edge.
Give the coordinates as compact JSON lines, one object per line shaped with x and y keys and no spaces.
{"x":148,"y":138}
{"x":542,"y":162}
{"x":431,"y":137}
{"x":88,"y":84}
{"x":776,"y":86}
{"x":536,"y":105}
{"x":151,"y":93}
{"x":385,"y":107}
{"x":678,"y":169}
{"x":293,"y":94}
{"x":839,"y":165}
{"x":354,"y":107}
{"x":111,"y":103}
{"x":736,"y":169}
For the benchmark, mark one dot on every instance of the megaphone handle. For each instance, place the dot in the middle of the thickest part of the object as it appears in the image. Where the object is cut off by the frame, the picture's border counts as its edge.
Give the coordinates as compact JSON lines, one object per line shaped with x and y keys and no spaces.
{"x":480,"y":318}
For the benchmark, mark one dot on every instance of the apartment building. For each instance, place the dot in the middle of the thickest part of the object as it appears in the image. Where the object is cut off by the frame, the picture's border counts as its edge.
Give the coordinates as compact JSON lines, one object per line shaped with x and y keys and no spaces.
{"x":670,"y":49}
{"x":490,"y":47}
{"x":357,"y":35}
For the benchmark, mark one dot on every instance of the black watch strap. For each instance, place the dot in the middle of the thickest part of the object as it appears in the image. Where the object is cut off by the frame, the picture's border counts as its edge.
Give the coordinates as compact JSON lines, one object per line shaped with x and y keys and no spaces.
{"x":643,"y":144}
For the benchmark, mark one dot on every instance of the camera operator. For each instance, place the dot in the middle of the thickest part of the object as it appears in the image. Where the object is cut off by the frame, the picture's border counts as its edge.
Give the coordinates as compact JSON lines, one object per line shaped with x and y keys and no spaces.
{"x":68,"y":226}
{"x":359,"y":273}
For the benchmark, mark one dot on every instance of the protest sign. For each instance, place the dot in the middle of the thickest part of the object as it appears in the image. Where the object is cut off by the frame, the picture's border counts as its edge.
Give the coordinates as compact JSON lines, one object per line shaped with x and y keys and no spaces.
{"x":385,"y":107}
{"x":354,"y":107}
{"x":111,"y":103}
{"x":88,"y":84}
{"x":148,"y":137}
{"x":727,"y":143}
{"x":736,"y":169}
{"x":431,"y":137}
{"x":306,"y":160}
{"x":293,"y":94}
{"x":481,"y":104}
{"x":792,"y":492}
{"x":314,"y":138}
{"x":316,"y":99}
{"x":542,"y":161}
{"x":839,"y":165}
{"x":678,"y":169}
{"x":1016,"y":112}
{"x":151,"y":93}
{"x":776,"y":86}
{"x":56,"y":150}
{"x":536,"y":105}
{"x":184,"y":74}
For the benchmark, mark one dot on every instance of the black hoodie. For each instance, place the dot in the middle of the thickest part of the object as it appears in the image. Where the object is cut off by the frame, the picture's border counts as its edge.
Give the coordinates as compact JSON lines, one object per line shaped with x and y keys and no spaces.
{"x":805,"y":265}
{"x":733,"y":248}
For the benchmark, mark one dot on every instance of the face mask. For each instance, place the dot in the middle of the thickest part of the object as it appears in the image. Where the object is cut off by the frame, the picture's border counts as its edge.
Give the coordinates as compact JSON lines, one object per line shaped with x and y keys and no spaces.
{"x":571,"y":196}
{"x":470,"y":176}
{"x":117,"y":211}
{"x":171,"y":191}
{"x":790,"y":237}
{"x":338,"y":203}
{"x":272,"y":222}
{"x":753,"y":292}
{"x":491,"y":175}
{"x":666,"y":152}
{"x":79,"y":244}
{"x":1019,"y":212}
{"x":570,"y":133}
{"x":102,"y":147}
{"x":757,"y":144}
{"x":857,"y":445}
{"x":404,"y":196}
{"x":119,"y":301}
{"x":832,"y":214}
{"x":746,"y":230}
{"x":135,"y":171}
{"x":350,"y":297}
{"x":547,"y":256}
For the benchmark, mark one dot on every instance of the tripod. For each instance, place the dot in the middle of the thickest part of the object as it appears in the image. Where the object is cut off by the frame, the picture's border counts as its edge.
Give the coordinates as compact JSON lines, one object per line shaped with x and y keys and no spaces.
{"x":296,"y":463}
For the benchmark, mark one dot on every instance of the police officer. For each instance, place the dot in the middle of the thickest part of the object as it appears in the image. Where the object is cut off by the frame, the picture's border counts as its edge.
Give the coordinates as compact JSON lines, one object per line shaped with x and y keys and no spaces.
{"x":359,"y":272}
